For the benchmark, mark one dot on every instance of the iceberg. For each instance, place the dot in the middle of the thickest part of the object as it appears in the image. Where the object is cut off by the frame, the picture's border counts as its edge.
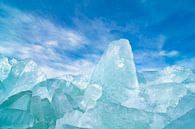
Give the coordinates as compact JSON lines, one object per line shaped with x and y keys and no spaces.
{"x":115,"y":96}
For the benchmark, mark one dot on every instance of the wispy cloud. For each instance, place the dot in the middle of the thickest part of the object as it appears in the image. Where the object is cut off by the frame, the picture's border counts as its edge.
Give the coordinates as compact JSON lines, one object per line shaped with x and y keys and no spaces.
{"x":152,"y":54}
{"x":153,"y":43}
{"x":149,"y":60}
{"x":59,"y":49}
{"x":27,"y":35}
{"x":28,"y":28}
{"x":169,"y":53}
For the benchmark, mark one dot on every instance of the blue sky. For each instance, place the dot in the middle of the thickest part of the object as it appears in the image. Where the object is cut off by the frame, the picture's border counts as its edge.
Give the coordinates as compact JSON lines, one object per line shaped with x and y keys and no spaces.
{"x":69,"y":36}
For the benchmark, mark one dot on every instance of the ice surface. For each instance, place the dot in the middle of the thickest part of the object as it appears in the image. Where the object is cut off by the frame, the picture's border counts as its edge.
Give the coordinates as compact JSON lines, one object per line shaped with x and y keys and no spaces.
{"x":115,"y":96}
{"x":92,"y":94}
{"x":185,"y":104}
{"x":42,"y":111}
{"x":184,"y":122}
{"x":171,"y":74}
{"x":15,"y":119}
{"x":116,"y":72}
{"x":21,"y":76}
{"x":116,"y":116}
{"x":5,"y":67}
{"x":19,"y":101}
{"x":162,"y":97}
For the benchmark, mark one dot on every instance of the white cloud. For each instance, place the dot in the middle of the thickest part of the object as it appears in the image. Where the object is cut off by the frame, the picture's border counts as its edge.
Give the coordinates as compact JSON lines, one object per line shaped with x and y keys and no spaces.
{"x":169,"y":53}
{"x":30,"y":28}
{"x":148,"y":56}
{"x":52,"y":43}
{"x":155,"y":59}
{"x":96,"y":31}
{"x":155,"y":43}
{"x":25,"y":35}
{"x":148,"y":60}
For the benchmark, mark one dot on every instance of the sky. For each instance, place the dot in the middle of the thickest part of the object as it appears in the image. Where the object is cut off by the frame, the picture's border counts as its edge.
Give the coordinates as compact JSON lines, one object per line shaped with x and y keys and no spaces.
{"x":69,"y":36}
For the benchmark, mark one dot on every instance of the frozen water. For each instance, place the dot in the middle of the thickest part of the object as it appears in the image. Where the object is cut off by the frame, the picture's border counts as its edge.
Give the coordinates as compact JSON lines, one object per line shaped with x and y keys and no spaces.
{"x":184,"y":122}
{"x":5,"y":67}
{"x":92,"y":94}
{"x":115,"y":96}
{"x":15,"y":119}
{"x":116,"y":72}
{"x":162,"y":97}
{"x":20,"y":76}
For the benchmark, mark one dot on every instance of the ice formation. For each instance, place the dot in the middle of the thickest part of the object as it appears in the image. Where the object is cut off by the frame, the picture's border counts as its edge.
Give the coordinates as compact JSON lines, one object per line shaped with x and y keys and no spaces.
{"x":116,"y":96}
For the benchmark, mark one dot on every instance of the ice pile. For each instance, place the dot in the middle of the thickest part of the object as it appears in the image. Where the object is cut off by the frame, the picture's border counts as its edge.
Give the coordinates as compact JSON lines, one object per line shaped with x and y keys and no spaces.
{"x":116,"y":96}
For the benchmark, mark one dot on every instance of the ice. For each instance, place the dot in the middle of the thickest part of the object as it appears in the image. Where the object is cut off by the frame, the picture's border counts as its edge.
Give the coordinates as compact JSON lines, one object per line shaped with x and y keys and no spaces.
{"x":184,"y":122}
{"x":116,"y":72}
{"x":15,"y":119}
{"x":42,"y":111}
{"x":150,"y":76}
{"x":92,"y":94}
{"x":61,"y":104}
{"x":77,"y":119}
{"x":63,"y":94}
{"x":115,"y":116}
{"x":115,"y":96}
{"x":175,"y":74}
{"x":19,"y":101}
{"x":22,"y":76}
{"x":185,"y":104}
{"x":170,"y":74}
{"x":162,"y":97}
{"x":80,"y":81}
{"x":5,"y":67}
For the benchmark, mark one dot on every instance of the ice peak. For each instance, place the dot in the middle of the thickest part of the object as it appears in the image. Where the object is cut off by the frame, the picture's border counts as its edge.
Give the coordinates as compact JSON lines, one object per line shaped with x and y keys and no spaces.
{"x":116,"y":71}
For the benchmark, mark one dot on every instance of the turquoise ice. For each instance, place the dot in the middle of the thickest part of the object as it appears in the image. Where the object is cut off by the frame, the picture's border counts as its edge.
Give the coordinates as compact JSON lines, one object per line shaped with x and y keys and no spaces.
{"x":115,"y":96}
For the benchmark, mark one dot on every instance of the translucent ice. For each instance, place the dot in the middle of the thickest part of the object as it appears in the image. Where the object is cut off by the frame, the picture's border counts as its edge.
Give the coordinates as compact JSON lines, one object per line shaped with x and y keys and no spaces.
{"x":76,"y":119}
{"x":92,"y":94}
{"x":15,"y":119}
{"x":115,"y":116}
{"x":5,"y":67}
{"x":184,"y":105}
{"x":19,"y":101}
{"x":162,"y":97}
{"x":116,"y":72}
{"x":23,"y":75}
{"x":184,"y":122}
{"x":116,"y":96}
{"x":171,"y":74}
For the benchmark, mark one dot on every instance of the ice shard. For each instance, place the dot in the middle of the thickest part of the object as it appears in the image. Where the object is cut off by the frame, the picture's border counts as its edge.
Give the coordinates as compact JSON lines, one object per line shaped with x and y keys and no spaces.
{"x":116,"y":72}
{"x":91,"y":95}
{"x":185,"y":104}
{"x":19,"y":101}
{"x":115,"y":116}
{"x":5,"y":67}
{"x":184,"y":122}
{"x":175,"y":74}
{"x":15,"y":119}
{"x":22,"y":76}
{"x":77,"y":119}
{"x":172,"y":93}
{"x":14,"y":111}
{"x":42,"y":112}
